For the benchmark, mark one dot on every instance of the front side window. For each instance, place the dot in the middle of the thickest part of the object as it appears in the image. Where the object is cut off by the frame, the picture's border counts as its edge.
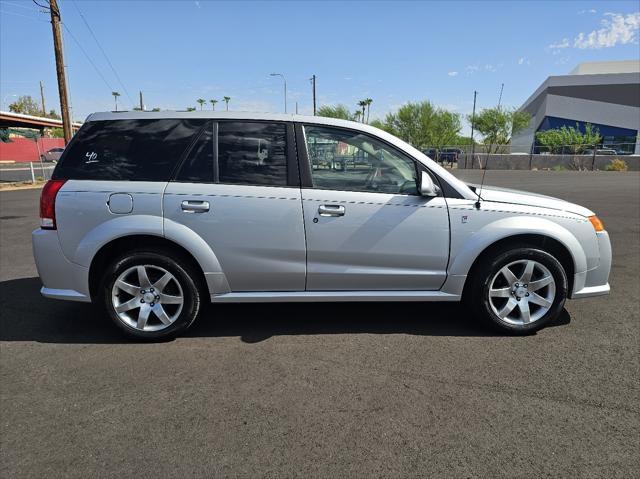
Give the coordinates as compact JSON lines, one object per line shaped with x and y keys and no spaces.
{"x":353,"y":161}
{"x":252,"y":153}
{"x":130,"y":150}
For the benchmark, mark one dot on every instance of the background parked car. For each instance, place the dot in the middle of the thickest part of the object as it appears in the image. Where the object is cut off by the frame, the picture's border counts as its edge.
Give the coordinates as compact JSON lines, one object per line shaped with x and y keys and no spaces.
{"x":444,"y":155}
{"x":52,"y":155}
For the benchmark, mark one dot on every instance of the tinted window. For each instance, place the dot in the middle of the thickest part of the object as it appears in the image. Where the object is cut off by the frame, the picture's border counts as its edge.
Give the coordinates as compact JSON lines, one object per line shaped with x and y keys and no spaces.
{"x":352,"y":161}
{"x":198,"y":166}
{"x":136,"y":150}
{"x":252,"y":153}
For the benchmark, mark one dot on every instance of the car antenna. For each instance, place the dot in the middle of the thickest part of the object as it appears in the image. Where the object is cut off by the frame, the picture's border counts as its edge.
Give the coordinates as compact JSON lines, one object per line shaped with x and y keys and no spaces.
{"x":486,"y":162}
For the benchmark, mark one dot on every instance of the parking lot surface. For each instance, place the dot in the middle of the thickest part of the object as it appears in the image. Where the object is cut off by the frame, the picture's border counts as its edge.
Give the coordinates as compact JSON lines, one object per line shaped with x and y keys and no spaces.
{"x":326,"y":390}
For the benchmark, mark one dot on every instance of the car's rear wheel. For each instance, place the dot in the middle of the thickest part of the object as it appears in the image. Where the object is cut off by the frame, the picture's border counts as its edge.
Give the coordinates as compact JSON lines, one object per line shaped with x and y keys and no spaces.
{"x":150,"y":295}
{"x":519,"y":290}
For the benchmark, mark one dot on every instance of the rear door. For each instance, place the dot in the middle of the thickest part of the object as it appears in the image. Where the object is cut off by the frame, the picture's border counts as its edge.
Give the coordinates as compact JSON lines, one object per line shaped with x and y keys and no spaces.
{"x":116,"y":170}
{"x":238,"y":189}
{"x":367,"y":227}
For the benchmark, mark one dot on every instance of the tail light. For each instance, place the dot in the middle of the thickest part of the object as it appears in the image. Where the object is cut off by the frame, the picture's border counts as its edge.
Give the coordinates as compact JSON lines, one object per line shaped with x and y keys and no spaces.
{"x":48,"y":204}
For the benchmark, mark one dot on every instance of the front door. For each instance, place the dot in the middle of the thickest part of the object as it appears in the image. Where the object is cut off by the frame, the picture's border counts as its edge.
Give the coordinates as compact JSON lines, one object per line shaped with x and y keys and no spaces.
{"x":367,"y":228}
{"x":238,"y":191}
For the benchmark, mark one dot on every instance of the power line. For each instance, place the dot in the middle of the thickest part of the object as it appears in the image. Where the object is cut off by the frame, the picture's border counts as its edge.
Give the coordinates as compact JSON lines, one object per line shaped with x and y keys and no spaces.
{"x":103,"y":52}
{"x":6,"y":12}
{"x":19,"y":6}
{"x":88,"y":57}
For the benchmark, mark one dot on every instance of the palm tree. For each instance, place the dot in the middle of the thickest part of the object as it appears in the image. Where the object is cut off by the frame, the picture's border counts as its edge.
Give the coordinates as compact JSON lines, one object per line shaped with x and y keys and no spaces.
{"x":115,"y":97}
{"x":201,"y":101}
{"x":362,"y":104}
{"x":226,"y":100}
{"x":213,"y":104}
{"x":369,"y":101}
{"x":190,"y":108}
{"x":356,"y":115}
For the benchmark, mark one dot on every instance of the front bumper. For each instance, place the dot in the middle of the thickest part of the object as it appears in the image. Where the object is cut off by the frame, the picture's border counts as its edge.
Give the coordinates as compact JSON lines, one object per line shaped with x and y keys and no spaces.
{"x":61,"y":279}
{"x":595,"y":282}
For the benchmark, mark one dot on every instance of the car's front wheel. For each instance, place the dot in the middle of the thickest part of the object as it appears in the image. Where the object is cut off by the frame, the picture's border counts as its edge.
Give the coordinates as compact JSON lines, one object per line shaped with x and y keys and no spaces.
{"x":150,"y":295}
{"x":519,"y":290}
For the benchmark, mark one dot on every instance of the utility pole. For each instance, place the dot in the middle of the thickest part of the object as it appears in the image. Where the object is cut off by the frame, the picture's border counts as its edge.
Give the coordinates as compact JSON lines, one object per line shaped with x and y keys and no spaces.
{"x":313,"y":83}
{"x":141,"y":102}
{"x":54,"y":10}
{"x":473,"y":118}
{"x":44,"y":109}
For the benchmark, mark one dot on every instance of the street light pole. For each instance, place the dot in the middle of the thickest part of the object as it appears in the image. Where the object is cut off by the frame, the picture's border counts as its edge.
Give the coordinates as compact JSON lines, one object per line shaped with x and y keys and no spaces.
{"x":285,"y":87}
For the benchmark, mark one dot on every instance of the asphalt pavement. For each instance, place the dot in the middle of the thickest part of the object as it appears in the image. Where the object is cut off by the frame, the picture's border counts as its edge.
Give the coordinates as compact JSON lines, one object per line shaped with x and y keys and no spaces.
{"x":326,"y":390}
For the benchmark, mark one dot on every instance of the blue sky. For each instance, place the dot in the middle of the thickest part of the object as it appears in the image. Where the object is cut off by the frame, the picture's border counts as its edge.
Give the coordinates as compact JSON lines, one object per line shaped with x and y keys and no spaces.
{"x":392,"y":52}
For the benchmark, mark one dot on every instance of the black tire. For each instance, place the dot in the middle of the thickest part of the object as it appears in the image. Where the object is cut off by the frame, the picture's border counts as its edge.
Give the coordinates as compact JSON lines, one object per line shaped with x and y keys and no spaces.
{"x":184,"y":275}
{"x":477,"y":298}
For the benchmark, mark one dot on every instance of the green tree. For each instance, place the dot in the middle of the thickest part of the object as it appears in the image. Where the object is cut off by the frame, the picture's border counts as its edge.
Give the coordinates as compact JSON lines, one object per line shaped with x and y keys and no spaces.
{"x":201,"y":101}
{"x":368,"y":101}
{"x":156,"y":109}
{"x":191,"y":108}
{"x":57,"y":133}
{"x":423,"y":125}
{"x":362,"y":104}
{"x":338,"y":111}
{"x":213,"y":104}
{"x":226,"y":100}
{"x":26,"y":106}
{"x":557,"y":140}
{"x":497,"y":126}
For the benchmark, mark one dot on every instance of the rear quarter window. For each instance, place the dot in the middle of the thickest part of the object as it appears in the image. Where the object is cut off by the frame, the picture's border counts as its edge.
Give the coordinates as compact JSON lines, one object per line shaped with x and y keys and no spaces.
{"x":129,"y":150}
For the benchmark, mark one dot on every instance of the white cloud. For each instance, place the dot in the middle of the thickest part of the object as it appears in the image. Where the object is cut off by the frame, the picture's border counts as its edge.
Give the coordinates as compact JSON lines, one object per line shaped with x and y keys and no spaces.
{"x":521,"y":61}
{"x":564,"y":43}
{"x":617,"y":29}
{"x":524,"y":61}
{"x":472,"y":68}
{"x":591,"y":10}
{"x":452,"y":74}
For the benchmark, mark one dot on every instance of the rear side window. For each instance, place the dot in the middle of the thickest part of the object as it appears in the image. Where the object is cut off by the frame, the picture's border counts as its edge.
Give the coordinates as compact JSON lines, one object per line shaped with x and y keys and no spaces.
{"x":130,"y":150}
{"x":198,"y":166}
{"x":252,"y":153}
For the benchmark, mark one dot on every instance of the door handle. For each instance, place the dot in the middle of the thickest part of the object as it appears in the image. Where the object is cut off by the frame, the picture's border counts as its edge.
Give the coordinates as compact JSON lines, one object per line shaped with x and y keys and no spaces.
{"x":331,"y":210}
{"x":193,"y":206}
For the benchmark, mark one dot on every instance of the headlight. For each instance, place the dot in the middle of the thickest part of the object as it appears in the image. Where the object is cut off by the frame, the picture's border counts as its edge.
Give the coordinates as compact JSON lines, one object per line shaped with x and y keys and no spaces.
{"x":597,"y":224}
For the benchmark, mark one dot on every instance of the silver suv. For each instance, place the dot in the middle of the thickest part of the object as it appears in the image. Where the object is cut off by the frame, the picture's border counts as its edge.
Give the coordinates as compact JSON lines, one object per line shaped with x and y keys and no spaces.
{"x":152,"y":214}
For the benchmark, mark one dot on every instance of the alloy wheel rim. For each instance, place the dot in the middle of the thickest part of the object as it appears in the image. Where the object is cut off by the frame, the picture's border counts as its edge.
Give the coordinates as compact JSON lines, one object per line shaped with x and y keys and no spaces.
{"x":522,"y":292}
{"x":147,"y":297}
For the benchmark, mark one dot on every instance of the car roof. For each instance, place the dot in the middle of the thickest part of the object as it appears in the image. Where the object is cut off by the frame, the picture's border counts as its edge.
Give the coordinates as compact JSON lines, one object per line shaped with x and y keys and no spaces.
{"x":460,"y":186}
{"x":220,"y":115}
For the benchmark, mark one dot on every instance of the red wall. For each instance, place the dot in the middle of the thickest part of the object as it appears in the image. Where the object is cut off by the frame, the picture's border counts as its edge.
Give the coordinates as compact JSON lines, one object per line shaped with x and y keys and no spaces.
{"x":24,"y":149}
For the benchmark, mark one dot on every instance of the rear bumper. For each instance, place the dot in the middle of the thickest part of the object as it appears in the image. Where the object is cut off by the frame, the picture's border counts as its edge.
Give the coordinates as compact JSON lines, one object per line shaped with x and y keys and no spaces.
{"x":61,"y":279}
{"x":595,"y":282}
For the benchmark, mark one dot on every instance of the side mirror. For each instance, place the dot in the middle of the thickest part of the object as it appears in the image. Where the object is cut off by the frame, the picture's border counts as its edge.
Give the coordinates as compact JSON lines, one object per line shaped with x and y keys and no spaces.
{"x":427,"y":186}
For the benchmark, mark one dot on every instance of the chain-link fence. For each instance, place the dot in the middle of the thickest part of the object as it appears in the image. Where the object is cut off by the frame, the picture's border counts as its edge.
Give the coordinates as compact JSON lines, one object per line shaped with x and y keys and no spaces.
{"x":617,"y":157}
{"x":25,"y":172}
{"x":28,"y":157}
